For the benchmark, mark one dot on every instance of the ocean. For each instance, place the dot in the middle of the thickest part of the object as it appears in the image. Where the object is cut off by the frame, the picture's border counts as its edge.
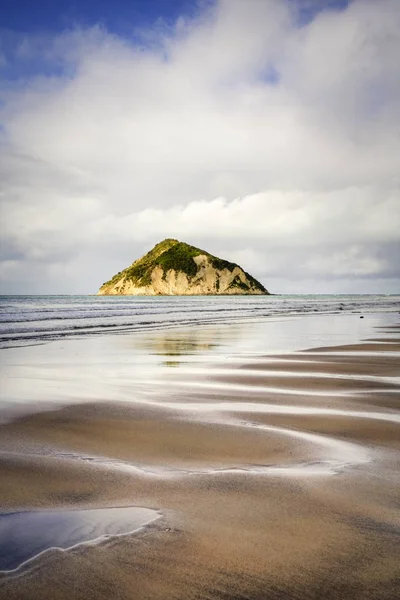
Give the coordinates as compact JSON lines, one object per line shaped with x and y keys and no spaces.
{"x":28,"y":320}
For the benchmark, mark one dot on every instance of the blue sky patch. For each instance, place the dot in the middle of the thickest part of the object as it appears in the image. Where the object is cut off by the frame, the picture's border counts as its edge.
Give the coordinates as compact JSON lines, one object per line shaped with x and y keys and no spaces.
{"x":117,"y":16}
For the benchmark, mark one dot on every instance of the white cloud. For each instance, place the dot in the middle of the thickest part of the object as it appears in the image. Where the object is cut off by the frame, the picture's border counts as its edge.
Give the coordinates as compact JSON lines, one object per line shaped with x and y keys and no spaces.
{"x":239,"y":131}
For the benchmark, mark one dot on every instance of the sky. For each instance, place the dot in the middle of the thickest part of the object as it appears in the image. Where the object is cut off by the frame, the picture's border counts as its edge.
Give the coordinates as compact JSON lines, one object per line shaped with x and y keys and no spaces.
{"x":266,"y":132}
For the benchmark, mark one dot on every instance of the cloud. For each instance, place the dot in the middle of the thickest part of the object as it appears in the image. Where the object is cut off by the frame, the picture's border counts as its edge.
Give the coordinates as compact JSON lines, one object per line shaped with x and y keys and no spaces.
{"x":269,"y":142}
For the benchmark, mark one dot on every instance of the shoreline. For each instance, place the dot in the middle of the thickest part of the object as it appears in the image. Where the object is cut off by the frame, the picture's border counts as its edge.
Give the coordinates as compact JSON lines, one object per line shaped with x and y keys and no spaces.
{"x":111,"y":317}
{"x":293,"y":512}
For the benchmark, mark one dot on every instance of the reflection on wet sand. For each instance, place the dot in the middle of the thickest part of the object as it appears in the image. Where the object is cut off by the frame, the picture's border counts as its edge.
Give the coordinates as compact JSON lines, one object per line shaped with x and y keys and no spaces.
{"x":24,"y":535}
{"x":184,"y":343}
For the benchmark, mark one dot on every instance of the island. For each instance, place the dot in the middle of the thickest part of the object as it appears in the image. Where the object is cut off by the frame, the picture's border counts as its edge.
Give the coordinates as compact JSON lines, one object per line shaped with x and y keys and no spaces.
{"x":174,"y":268}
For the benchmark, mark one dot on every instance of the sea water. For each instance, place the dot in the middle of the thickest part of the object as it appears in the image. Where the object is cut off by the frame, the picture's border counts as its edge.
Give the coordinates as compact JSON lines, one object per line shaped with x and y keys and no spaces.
{"x":28,"y":320}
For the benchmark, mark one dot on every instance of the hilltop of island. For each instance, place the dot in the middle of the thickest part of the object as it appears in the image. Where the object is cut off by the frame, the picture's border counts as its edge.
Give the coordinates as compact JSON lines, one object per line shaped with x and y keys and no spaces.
{"x":174,"y":268}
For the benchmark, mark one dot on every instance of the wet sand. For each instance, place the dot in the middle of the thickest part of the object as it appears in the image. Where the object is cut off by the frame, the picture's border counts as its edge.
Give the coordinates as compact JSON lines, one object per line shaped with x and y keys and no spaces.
{"x":289,"y":493}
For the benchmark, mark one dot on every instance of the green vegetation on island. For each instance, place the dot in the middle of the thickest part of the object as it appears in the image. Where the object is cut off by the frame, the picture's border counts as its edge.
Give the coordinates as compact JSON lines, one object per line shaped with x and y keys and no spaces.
{"x":170,"y":255}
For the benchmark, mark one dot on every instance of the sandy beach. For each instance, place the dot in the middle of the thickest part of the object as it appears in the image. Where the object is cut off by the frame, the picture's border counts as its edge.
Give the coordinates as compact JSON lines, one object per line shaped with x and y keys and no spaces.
{"x":275,"y":475}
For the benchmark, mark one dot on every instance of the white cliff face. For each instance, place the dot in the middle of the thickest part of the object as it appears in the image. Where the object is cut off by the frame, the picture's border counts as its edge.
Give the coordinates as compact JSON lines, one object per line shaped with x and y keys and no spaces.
{"x":207,"y":281}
